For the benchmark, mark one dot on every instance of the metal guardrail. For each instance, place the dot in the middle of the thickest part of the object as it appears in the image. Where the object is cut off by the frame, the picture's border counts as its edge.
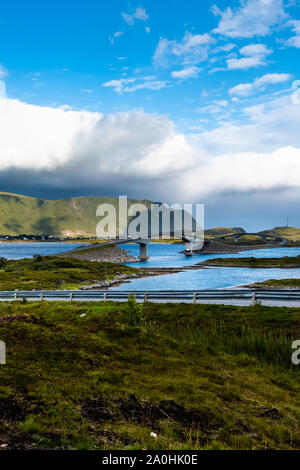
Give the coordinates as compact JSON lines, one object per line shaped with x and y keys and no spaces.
{"x":157,"y":295}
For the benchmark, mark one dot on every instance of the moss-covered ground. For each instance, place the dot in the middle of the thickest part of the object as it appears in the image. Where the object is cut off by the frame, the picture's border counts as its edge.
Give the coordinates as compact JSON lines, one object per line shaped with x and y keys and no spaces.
{"x":200,"y":376}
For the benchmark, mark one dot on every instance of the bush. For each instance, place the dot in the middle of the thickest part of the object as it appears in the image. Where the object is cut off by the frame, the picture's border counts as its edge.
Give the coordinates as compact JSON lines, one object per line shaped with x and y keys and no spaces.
{"x":38,"y":258}
{"x":133,"y":311}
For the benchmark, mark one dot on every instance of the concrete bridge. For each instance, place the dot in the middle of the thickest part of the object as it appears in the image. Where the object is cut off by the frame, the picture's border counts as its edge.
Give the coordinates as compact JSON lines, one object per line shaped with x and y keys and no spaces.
{"x":190,"y":239}
{"x":264,"y":237}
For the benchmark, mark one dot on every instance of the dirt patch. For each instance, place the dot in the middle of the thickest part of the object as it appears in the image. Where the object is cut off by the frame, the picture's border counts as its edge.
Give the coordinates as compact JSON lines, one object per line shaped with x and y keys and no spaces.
{"x":19,"y":441}
{"x":12,"y":318}
{"x":12,"y":410}
{"x":145,"y":412}
{"x":97,"y":409}
{"x":272,"y":414}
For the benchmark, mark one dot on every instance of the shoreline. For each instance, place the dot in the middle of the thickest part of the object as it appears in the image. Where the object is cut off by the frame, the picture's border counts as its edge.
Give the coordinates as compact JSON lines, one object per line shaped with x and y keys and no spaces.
{"x":145,"y":272}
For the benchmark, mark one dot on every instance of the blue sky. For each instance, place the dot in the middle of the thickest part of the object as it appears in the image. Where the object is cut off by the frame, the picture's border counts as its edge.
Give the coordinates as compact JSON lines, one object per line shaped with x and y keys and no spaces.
{"x":153,"y":97}
{"x":63,"y":52}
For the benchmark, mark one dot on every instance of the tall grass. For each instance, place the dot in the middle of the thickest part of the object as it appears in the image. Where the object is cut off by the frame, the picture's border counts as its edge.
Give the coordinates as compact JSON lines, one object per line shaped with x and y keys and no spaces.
{"x":264,"y":346}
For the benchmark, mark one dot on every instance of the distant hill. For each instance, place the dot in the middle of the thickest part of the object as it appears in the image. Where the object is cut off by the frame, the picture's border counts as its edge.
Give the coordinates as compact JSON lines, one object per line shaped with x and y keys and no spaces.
{"x":291,"y":233}
{"x":220,"y":231}
{"x":71,"y":217}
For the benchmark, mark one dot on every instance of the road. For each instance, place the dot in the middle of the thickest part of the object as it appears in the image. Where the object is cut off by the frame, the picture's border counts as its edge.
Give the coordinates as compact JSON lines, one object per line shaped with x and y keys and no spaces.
{"x":270,"y":297}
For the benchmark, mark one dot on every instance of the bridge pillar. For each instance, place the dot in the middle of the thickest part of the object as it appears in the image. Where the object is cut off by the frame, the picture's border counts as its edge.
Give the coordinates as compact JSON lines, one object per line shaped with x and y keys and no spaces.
{"x":143,"y":250}
{"x":188,"y":249}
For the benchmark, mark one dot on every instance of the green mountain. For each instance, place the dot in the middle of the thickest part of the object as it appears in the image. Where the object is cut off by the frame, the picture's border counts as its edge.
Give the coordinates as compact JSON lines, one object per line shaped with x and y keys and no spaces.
{"x":71,"y":217}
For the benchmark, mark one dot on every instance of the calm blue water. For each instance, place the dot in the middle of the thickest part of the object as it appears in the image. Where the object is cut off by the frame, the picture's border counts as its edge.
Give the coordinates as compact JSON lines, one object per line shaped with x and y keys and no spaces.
{"x":164,"y":255}
{"x":27,"y":250}
{"x":211,"y":278}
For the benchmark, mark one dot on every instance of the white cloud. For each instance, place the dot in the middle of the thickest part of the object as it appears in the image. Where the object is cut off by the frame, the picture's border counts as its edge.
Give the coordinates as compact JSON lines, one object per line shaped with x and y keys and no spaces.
{"x":191,"y":50}
{"x":254,"y":55}
{"x":252,"y":18}
{"x":147,"y":29}
{"x":254,"y":49}
{"x":65,"y":148}
{"x":242,"y":172}
{"x":117,"y":34}
{"x":294,"y":41}
{"x":242,"y":89}
{"x":226,"y":48}
{"x":125,"y":85}
{"x":188,"y":72}
{"x":138,"y":13}
{"x":140,"y":152}
{"x":245,"y":89}
{"x":266,"y":128}
{"x":3,"y":71}
{"x":244,"y":63}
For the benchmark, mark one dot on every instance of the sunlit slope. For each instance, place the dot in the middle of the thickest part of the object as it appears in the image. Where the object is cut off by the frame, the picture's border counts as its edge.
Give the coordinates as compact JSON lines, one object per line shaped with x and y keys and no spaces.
{"x":74,"y":216}
{"x":291,"y":233}
{"x":221,"y":231}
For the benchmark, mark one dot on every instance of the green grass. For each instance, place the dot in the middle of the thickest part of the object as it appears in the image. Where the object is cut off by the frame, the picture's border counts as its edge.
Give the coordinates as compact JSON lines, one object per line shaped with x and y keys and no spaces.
{"x":53,"y":272}
{"x":284,"y":262}
{"x":200,"y":376}
{"x":282,"y":283}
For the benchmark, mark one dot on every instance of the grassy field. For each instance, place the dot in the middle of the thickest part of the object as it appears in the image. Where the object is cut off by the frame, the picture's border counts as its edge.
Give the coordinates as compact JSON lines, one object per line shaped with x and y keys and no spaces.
{"x":78,"y":376}
{"x":284,"y":262}
{"x":53,"y":272}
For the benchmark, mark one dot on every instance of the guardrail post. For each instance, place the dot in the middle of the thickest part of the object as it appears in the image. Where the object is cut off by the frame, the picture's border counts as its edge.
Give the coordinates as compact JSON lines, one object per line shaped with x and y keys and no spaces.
{"x":195,"y":298}
{"x":104,"y":296}
{"x":145,"y":297}
{"x":42,"y":296}
{"x":71,"y":296}
{"x":253,"y":299}
{"x":16,"y":295}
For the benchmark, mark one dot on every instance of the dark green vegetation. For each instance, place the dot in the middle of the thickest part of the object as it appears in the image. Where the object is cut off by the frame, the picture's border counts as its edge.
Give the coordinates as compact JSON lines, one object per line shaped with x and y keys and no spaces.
{"x":53,"y":272}
{"x":285,"y":262}
{"x":66,"y":217}
{"x":281,"y":283}
{"x":210,"y":377}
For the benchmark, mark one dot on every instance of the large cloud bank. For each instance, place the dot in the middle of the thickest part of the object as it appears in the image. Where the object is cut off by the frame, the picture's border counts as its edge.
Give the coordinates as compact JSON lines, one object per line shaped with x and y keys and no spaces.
{"x":143,"y":155}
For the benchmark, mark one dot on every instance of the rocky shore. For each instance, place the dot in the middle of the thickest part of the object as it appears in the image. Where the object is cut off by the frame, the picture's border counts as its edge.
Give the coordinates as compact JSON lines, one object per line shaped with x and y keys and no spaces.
{"x":103,"y":254}
{"x":145,"y":272}
{"x":213,"y":247}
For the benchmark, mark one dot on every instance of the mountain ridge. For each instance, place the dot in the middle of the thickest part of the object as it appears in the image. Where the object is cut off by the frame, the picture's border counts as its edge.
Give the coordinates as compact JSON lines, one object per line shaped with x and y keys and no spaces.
{"x":70,"y":217}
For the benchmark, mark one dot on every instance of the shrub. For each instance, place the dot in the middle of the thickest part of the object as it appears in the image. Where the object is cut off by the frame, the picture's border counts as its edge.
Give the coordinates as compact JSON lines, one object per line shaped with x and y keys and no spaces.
{"x":38,"y":258}
{"x":133,"y":311}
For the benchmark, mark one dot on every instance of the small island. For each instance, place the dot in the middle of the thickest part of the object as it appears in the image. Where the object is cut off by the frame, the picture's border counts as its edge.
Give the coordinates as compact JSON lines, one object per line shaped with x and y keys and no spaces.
{"x":286,"y":262}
